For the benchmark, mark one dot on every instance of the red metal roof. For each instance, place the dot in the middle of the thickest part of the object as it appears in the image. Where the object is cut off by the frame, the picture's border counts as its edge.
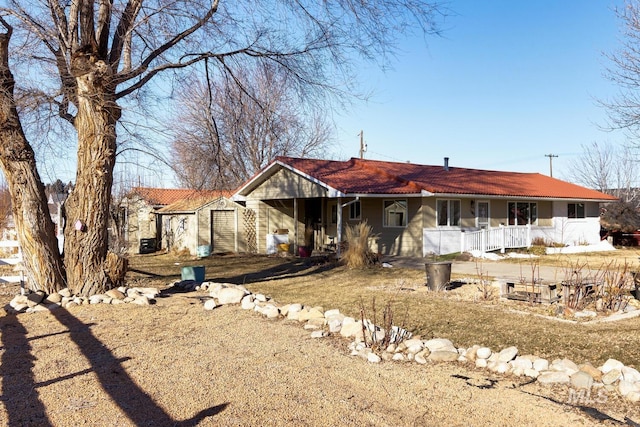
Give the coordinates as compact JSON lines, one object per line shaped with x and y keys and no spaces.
{"x":167,"y":196}
{"x":360,"y":176}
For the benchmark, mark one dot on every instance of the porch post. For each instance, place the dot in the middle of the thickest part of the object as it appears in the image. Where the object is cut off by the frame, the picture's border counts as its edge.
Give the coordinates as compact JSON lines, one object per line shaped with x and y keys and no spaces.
{"x":462,"y":248}
{"x":503,"y":234}
{"x":295,"y":225}
{"x":528,"y":235}
{"x":339,"y":226}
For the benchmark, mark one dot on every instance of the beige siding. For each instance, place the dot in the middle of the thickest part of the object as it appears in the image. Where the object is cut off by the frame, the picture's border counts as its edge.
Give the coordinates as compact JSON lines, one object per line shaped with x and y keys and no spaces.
{"x":287,"y":185}
{"x":545,"y":214}
{"x":405,"y":241}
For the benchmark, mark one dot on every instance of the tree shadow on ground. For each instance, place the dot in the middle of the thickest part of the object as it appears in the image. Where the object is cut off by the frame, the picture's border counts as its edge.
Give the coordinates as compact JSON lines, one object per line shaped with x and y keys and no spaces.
{"x":24,"y":407}
{"x":22,"y":404}
{"x":296,"y":268}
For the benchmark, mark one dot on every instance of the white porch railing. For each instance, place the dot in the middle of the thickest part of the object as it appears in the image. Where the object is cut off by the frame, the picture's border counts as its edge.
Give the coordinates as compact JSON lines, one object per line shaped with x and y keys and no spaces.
{"x":492,"y":239}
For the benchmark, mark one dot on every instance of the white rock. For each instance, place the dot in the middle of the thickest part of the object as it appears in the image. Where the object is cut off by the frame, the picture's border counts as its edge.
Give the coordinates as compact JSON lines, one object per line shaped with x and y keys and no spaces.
{"x":271,"y":312}
{"x":373,"y":358}
{"x":65,"y":292}
{"x":611,"y":377}
{"x":626,"y":387}
{"x":507,"y":354}
{"x":630,"y":374}
{"x":333,"y":312}
{"x":541,"y":364}
{"x":350,"y":330}
{"x":633,"y":396}
{"x":19,"y":300}
{"x":443,"y":356}
{"x":581,"y":380}
{"x":610,"y":365}
{"x":294,"y":307}
{"x":141,"y":300}
{"x":115,"y":294}
{"x":522,"y":363}
{"x":413,"y":345}
{"x":261,"y":297}
{"x":440,"y":344}
{"x":399,"y":357}
{"x":210,"y":304}
{"x":96,"y":299}
{"x":553,"y":377}
{"x":483,"y":353}
{"x":564,"y":365}
{"x":335,"y":325}
{"x":532,"y":373}
{"x":247,"y":303}
{"x":481,"y":363}
{"x":318,"y":334}
{"x":421,"y":357}
{"x":230,"y":296}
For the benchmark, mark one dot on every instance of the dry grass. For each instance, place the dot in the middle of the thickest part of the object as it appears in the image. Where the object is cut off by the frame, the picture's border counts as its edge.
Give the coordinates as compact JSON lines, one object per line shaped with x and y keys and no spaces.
{"x":460,"y":314}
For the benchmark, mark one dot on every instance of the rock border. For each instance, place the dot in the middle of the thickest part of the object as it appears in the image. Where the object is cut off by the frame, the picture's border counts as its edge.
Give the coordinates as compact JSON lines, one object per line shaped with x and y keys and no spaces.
{"x":612,"y":376}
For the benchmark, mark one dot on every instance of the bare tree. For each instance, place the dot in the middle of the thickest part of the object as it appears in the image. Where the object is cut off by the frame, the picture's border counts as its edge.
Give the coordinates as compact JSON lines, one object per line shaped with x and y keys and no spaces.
{"x":228,"y":129}
{"x":89,"y":62}
{"x":624,"y":71}
{"x":610,"y":169}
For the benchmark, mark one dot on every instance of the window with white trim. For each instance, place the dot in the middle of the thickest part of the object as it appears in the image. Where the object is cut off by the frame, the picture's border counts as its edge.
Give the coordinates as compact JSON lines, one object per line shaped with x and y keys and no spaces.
{"x":448,"y":212}
{"x":354,"y":210}
{"x":395,"y":213}
{"x":575,"y":210}
{"x":523,"y":213}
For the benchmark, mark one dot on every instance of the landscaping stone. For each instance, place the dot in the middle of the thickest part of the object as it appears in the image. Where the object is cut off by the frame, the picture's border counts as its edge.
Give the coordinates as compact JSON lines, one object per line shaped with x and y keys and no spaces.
{"x":483,"y":353}
{"x":610,"y":365}
{"x":440,"y":344}
{"x":247,"y":303}
{"x":611,"y":376}
{"x":507,"y":354}
{"x":581,"y":380}
{"x":230,"y":296}
{"x":553,"y":377}
{"x":210,"y":304}
{"x":595,"y":373}
{"x":630,"y":374}
{"x":541,"y":364}
{"x":443,"y":356}
{"x":626,"y":387}
{"x":115,"y":294}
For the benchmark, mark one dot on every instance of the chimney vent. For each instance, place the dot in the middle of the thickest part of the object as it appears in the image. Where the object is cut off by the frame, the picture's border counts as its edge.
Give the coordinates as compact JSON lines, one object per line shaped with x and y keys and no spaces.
{"x":446,"y":163}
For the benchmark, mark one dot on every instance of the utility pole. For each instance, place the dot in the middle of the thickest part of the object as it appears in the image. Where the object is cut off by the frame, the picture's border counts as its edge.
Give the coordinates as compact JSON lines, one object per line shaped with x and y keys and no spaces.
{"x":363,"y":145}
{"x":551,"y":156}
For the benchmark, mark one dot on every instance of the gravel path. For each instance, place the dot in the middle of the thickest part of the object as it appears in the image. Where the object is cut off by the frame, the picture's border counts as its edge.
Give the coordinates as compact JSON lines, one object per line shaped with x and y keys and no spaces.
{"x":174,"y":363}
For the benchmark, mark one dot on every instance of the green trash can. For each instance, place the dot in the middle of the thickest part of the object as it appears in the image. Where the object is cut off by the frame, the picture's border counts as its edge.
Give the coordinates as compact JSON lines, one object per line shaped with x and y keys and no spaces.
{"x":438,"y":274}
{"x":195,"y":273}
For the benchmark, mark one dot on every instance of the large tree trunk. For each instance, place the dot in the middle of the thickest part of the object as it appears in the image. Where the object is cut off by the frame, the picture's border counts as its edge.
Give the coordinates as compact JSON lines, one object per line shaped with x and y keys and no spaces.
{"x":36,"y":232}
{"x":89,"y":269}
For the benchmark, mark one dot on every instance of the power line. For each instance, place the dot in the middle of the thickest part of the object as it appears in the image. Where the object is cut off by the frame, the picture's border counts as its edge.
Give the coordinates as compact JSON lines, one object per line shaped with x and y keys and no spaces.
{"x":551,"y":156}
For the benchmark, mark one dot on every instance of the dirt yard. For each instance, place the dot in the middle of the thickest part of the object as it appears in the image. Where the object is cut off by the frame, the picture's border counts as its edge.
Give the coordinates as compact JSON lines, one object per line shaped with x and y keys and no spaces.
{"x":173,"y":363}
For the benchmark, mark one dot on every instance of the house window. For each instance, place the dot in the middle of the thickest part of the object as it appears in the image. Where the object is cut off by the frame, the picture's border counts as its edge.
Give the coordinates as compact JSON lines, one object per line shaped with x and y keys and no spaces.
{"x":523,"y":213}
{"x":354,"y":210}
{"x":448,"y":213}
{"x":575,"y":210}
{"x":395,"y":213}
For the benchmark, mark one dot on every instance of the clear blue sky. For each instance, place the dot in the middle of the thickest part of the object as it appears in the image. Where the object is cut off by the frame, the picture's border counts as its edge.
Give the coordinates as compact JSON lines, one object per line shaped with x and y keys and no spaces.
{"x":507,"y":82}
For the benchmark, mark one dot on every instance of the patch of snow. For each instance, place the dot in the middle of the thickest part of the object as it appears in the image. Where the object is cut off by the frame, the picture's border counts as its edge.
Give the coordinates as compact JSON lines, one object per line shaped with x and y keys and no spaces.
{"x":603,"y":246}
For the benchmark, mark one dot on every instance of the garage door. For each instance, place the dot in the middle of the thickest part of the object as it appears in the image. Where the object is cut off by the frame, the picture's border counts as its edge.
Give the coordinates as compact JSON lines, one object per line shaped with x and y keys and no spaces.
{"x":223,"y":231}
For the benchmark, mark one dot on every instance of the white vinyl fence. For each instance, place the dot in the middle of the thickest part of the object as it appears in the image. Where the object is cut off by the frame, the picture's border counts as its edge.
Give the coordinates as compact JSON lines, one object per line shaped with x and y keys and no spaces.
{"x":492,"y":239}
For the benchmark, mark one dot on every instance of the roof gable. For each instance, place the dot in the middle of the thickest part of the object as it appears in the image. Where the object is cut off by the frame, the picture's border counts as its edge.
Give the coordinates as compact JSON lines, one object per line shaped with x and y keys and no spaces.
{"x":359,"y":176}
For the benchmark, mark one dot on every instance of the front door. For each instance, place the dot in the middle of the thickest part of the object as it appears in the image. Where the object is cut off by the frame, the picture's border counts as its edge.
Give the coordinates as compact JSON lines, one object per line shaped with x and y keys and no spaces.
{"x":482,"y":214}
